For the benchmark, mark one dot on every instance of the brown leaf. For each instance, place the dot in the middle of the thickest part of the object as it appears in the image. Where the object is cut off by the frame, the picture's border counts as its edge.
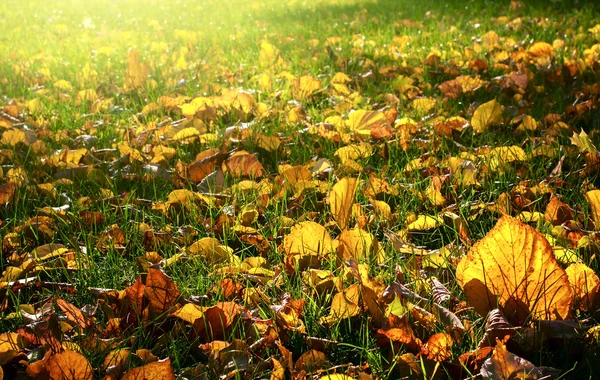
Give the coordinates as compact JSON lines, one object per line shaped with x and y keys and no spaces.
{"x":311,"y":361}
{"x":161,"y":291}
{"x":557,"y":212}
{"x":496,"y":327}
{"x":74,"y":314}
{"x":217,"y":320}
{"x":451,"y":89}
{"x":206,"y":162}
{"x":440,"y":294}
{"x":135,"y":296}
{"x":439,"y":347}
{"x":7,"y":192}
{"x":244,"y":164}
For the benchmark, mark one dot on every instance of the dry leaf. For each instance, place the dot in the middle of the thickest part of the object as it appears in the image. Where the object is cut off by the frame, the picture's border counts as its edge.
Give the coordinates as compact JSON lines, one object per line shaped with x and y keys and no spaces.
{"x":160,"y":370}
{"x":513,"y":268}
{"x":341,"y":199}
{"x":487,"y":115}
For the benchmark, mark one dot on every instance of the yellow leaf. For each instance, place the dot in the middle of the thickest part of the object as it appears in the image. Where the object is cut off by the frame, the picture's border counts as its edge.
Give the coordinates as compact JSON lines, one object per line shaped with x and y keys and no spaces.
{"x":341,"y":199}
{"x":270,"y":56}
{"x":211,"y":249}
{"x":137,"y":72}
{"x":423,"y":106}
{"x":353,"y":152}
{"x":424,"y":222}
{"x":186,"y":134}
{"x":541,"y":49}
{"x":336,"y":376}
{"x":513,"y":268}
{"x":486,"y":115}
{"x":502,"y":155}
{"x":307,"y":238}
{"x":88,"y":95}
{"x":362,"y":121}
{"x":359,"y":245}
{"x":593,"y":198}
{"x":189,"y":313}
{"x":304,"y":87}
{"x":583,"y":143}
{"x":585,"y":285}
{"x":344,"y":305}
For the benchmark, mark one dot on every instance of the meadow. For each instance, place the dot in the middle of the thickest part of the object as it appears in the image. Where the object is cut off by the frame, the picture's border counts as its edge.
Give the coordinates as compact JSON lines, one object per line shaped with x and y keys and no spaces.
{"x":325,"y":189}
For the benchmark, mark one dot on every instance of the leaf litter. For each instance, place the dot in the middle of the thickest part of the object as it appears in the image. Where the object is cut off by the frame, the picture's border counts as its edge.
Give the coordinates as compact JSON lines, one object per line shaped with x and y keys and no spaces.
{"x":378,"y":216}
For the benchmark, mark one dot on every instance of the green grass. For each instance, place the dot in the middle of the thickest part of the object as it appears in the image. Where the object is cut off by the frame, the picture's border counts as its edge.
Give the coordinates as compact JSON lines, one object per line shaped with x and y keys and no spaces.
{"x":197,"y":49}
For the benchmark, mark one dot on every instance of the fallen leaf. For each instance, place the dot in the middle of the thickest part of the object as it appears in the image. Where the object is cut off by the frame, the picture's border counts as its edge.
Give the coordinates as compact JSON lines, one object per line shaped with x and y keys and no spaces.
{"x":514,"y":268}
{"x":487,"y":115}
{"x":160,"y":370}
{"x":341,"y":199}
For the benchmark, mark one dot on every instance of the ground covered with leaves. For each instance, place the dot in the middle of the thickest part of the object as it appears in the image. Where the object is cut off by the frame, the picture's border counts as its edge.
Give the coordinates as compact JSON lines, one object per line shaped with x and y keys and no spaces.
{"x":293,"y":190}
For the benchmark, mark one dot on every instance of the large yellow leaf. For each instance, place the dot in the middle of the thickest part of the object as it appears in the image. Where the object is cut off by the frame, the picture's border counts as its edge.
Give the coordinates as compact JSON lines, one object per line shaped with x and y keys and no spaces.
{"x":513,"y":268}
{"x":341,"y":199}
{"x":486,"y":115}
{"x":353,"y":152}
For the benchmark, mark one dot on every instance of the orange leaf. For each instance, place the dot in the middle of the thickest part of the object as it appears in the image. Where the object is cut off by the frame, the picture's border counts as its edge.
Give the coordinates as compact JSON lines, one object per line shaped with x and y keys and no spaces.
{"x":160,"y":291}
{"x":439,"y":347}
{"x":514,"y":268}
{"x":73,"y":313}
{"x":69,"y":365}
{"x":244,"y":164}
{"x":7,"y":192}
{"x":504,"y":365}
{"x":135,"y":295}
{"x":399,"y":332}
{"x":557,"y":212}
{"x":160,"y":370}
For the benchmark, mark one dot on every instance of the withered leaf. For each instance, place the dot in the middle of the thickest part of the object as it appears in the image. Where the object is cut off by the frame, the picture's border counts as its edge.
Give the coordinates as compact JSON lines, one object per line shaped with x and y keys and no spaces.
{"x":161,"y":291}
{"x":159,"y":370}
{"x":514,"y":267}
